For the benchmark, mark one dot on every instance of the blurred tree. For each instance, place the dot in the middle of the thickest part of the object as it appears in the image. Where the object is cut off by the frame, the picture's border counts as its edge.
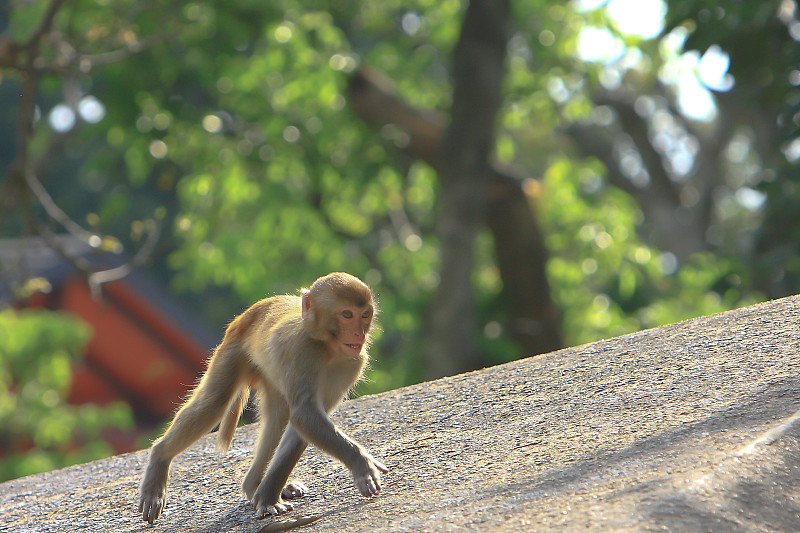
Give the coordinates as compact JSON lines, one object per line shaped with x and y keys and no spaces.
{"x":223,"y":129}
{"x":280,"y":163}
{"x":759,"y":105}
{"x":699,"y":179}
{"x":40,"y":431}
{"x":478,"y":189}
{"x":690,"y":118}
{"x":464,"y":153}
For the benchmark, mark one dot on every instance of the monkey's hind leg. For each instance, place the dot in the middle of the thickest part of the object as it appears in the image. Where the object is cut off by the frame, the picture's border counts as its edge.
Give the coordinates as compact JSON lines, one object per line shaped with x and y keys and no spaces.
{"x":222,"y":381}
{"x":274,"y":416}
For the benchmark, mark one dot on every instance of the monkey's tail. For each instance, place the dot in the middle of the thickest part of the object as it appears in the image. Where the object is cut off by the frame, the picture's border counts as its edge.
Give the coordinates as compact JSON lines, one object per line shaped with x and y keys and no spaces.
{"x":230,"y":420}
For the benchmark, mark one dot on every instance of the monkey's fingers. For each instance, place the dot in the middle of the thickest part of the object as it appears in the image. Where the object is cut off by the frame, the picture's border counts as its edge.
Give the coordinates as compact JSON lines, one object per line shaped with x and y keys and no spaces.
{"x":151,"y":508}
{"x":263,"y":511}
{"x":369,"y":485}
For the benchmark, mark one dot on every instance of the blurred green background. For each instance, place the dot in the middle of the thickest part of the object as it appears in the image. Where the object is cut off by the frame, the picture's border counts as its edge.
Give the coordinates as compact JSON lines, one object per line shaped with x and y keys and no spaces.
{"x":654,"y":142}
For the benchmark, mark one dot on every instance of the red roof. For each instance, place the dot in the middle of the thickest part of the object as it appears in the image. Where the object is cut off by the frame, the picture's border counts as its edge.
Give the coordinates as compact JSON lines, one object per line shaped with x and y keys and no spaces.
{"x":146,"y":350}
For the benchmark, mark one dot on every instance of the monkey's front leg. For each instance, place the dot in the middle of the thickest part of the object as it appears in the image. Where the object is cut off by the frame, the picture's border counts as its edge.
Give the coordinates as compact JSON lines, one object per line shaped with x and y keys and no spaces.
{"x":268,"y":499}
{"x":153,"y":490}
{"x":315,"y":426}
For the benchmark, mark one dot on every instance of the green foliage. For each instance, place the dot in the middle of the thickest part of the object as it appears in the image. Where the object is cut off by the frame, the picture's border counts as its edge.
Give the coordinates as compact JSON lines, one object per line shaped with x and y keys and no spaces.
{"x":40,"y":430}
{"x":228,"y":121}
{"x":609,"y":282}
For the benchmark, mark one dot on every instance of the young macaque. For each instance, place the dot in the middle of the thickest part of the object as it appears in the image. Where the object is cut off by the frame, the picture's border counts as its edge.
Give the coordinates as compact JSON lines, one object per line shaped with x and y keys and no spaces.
{"x":302,"y":354}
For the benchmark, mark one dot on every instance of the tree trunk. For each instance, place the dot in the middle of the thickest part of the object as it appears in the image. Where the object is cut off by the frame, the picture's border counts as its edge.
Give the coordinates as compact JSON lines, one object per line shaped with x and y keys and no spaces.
{"x":535,"y":320}
{"x":464,"y":174}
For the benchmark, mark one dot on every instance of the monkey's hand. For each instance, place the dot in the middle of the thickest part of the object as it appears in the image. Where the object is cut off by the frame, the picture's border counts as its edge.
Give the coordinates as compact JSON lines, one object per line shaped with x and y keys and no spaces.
{"x":368,"y":477}
{"x":153,"y":491}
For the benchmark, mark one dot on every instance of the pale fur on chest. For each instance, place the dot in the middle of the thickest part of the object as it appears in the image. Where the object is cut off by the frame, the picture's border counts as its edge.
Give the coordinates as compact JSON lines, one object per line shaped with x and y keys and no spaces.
{"x":270,"y":354}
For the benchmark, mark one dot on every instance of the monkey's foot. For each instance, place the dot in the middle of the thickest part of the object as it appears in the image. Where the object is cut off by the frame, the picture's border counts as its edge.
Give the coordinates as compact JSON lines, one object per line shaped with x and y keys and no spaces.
{"x":268,"y":502}
{"x":294,"y":489}
{"x":278,"y":508}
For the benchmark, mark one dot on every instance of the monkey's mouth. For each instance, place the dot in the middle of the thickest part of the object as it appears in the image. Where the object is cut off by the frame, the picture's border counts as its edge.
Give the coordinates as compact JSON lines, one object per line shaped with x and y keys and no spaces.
{"x":355,"y":348}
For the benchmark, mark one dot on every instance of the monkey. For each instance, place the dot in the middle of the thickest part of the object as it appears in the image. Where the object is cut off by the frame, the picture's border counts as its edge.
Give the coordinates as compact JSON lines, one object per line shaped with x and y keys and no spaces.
{"x":302,"y":355}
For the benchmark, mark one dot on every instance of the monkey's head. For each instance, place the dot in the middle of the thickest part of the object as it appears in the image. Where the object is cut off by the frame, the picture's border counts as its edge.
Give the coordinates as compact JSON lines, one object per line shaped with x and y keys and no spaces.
{"x":338,"y":310}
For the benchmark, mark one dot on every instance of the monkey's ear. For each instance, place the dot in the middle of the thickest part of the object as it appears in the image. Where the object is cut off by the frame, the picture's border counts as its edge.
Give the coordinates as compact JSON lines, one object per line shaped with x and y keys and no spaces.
{"x":311,"y":317}
{"x":305,"y":303}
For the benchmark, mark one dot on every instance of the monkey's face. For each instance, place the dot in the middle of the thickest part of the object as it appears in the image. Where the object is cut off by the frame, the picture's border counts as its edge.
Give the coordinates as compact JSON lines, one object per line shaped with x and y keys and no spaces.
{"x":338,"y":310}
{"x":353,"y":326}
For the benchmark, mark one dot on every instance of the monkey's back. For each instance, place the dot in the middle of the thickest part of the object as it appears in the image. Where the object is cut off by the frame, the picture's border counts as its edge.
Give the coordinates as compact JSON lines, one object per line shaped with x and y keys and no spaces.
{"x":263,"y":314}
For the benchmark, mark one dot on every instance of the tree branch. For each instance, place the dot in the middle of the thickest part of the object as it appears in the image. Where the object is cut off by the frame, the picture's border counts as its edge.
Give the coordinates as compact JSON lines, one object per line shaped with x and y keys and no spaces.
{"x":23,"y":183}
{"x":45,"y":26}
{"x":374,"y":98}
{"x":55,"y":212}
{"x":519,"y":243}
{"x":637,"y":129}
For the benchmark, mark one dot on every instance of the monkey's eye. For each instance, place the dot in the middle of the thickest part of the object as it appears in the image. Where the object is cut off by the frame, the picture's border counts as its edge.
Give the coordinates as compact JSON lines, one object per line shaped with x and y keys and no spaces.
{"x":367,"y":313}
{"x":347,"y":313}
